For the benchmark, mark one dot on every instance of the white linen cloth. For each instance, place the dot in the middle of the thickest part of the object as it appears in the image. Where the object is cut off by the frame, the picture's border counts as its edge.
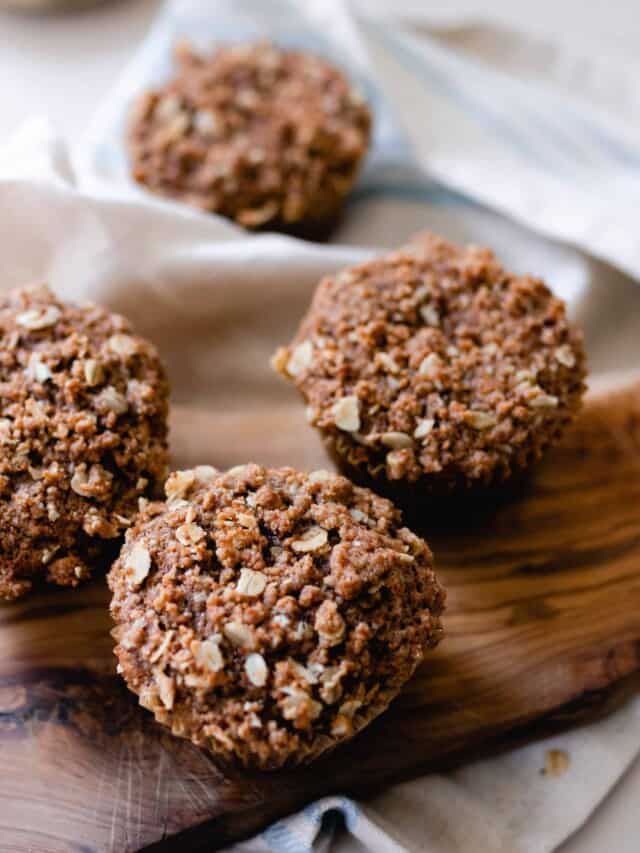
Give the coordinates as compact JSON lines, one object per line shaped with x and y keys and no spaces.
{"x":480,"y":135}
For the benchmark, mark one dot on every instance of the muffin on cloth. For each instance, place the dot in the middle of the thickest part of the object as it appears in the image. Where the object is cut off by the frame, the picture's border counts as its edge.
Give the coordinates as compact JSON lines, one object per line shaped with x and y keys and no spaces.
{"x":83,"y":435}
{"x":270,"y":138}
{"x":268,"y":614}
{"x":432,"y":369}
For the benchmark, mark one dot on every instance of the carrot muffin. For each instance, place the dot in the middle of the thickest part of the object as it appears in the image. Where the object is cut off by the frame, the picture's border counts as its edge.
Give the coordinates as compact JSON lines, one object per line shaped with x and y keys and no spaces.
{"x":270,"y":138}
{"x":83,"y":435}
{"x":269,"y":615}
{"x":433,"y":369}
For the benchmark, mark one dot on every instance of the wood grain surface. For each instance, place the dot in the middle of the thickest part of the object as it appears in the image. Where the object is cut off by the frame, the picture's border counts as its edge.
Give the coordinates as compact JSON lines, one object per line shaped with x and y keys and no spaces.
{"x":542,"y":630}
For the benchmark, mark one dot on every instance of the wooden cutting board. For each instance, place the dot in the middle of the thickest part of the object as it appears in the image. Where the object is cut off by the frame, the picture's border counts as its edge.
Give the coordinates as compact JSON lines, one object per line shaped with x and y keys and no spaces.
{"x":542,"y":630}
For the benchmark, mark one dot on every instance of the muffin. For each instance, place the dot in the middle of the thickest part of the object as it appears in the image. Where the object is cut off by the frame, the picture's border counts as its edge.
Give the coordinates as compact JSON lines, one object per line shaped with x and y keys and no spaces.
{"x":83,"y":435}
{"x":266,"y":137}
{"x":269,"y":615}
{"x":432,"y":370}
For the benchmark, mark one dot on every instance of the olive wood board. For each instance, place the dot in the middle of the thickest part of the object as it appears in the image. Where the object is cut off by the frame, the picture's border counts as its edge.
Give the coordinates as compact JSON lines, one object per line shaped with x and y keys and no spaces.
{"x":542,"y":631}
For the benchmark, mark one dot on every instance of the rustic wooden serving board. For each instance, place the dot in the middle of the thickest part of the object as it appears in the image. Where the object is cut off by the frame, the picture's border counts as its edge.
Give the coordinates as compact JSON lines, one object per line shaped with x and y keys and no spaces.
{"x":543,"y":629}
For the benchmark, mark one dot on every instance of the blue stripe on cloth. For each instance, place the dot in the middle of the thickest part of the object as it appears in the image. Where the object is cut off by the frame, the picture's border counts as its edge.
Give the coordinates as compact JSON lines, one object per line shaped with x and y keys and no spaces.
{"x":440,"y":82}
{"x":554,"y":124}
{"x":297,"y":834}
{"x":346,"y":807}
{"x":615,"y":148}
{"x":563,"y":142}
{"x":521,"y":98}
{"x":280,"y":838}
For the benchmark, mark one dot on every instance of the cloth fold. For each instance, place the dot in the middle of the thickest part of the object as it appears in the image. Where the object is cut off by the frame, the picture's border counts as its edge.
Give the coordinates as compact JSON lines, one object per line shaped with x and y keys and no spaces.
{"x":468,"y":144}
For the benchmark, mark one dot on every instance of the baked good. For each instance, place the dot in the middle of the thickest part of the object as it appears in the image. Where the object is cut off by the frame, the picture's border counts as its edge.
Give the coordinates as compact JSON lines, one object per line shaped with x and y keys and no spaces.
{"x":432,"y":370}
{"x":266,"y":137}
{"x":83,"y":435}
{"x":269,"y":615}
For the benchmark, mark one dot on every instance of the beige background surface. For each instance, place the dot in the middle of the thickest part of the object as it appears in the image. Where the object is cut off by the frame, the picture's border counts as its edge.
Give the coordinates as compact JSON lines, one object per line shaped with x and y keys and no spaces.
{"x":61,"y":67}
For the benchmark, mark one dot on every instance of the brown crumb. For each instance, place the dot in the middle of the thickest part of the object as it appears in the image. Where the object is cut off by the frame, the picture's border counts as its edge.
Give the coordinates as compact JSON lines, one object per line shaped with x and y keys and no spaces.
{"x":556,"y":762}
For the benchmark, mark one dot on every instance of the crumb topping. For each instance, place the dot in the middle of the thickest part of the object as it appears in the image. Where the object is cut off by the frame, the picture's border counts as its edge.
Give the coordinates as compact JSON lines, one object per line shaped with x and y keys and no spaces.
{"x":82,"y":435}
{"x":286,"y":625}
{"x":257,"y":134}
{"x":433,"y":363}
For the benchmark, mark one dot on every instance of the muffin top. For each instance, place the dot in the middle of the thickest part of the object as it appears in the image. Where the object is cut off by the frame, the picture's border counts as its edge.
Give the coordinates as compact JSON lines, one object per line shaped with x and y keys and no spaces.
{"x":433,"y":362}
{"x":264,"y":136}
{"x":83,"y":408}
{"x":270,"y":614}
